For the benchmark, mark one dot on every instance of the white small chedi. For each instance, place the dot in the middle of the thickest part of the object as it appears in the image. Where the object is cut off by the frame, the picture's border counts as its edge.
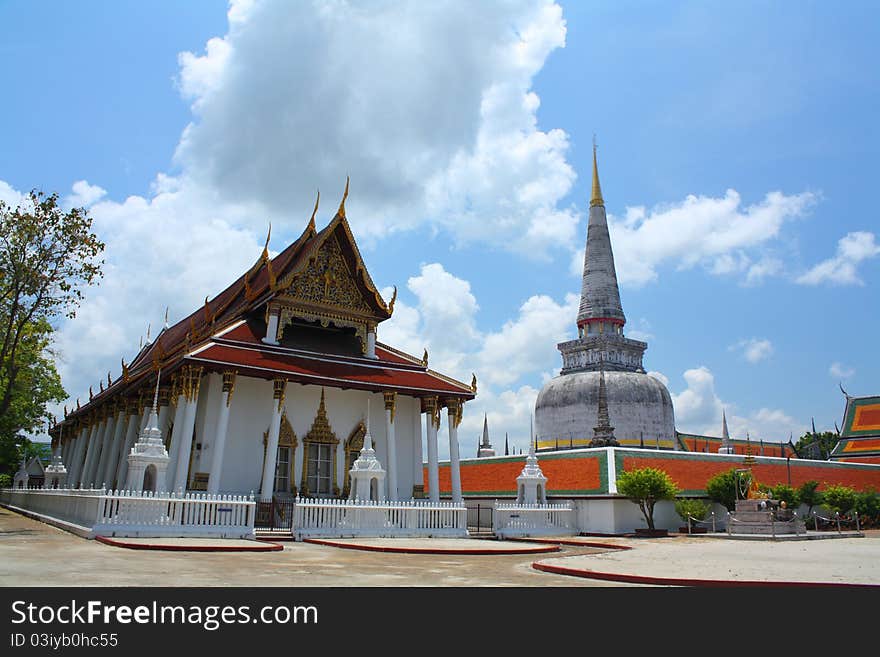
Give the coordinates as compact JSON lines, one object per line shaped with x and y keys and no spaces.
{"x":531,"y":485}
{"x":367,"y":469}
{"x":148,"y":459}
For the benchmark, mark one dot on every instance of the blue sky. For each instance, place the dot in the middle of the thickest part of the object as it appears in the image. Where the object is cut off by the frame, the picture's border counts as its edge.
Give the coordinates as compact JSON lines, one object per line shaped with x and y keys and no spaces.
{"x":736,"y":150}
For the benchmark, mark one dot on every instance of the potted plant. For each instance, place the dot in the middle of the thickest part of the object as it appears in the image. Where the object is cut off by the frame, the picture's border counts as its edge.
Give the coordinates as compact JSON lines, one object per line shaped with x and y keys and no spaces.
{"x":693,"y":509}
{"x":645,"y":487}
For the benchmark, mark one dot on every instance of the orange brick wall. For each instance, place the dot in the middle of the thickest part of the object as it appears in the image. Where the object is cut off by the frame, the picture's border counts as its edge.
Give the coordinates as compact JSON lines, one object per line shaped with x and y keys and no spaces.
{"x":499,"y":476}
{"x":583,"y":473}
{"x":692,"y":473}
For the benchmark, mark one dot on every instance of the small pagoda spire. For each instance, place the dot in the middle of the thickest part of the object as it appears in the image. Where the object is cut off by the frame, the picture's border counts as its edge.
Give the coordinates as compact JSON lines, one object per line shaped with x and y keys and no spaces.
{"x":725,"y":436}
{"x":485,"y":448}
{"x":596,"y":194}
{"x":603,"y":434}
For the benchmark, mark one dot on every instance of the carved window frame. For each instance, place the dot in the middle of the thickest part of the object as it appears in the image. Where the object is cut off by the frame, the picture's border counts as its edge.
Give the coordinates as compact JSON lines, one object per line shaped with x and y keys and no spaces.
{"x":286,"y":438}
{"x":353,"y":446}
{"x":320,"y":433}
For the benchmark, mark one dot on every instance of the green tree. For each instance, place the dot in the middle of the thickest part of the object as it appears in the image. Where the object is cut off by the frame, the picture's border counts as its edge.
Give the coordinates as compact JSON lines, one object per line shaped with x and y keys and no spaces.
{"x":839,"y":498}
{"x":645,"y":487}
{"x":810,"y":495}
{"x":47,"y":257}
{"x":816,"y":446}
{"x":727,"y":487}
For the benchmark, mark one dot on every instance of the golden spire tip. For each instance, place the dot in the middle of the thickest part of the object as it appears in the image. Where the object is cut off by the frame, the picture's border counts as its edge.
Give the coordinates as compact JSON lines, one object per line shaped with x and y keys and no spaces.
{"x":596,"y":195}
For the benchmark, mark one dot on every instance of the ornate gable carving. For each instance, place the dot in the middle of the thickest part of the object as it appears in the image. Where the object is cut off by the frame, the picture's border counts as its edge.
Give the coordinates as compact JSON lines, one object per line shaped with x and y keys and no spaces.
{"x":327,"y":281}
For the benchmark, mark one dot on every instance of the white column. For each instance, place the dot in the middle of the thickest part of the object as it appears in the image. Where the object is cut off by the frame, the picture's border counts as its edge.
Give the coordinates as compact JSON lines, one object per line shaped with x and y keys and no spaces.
{"x":272,"y":329}
{"x":418,"y":468}
{"x":77,"y":457}
{"x":390,"y":403}
{"x":176,"y":431}
{"x":106,"y":441}
{"x":131,"y":428}
{"x":88,"y":476}
{"x":269,"y":461}
{"x":220,"y":439}
{"x":371,"y":344}
{"x":432,"y":417}
{"x":109,"y":473}
{"x":186,"y":435}
{"x":454,"y":410}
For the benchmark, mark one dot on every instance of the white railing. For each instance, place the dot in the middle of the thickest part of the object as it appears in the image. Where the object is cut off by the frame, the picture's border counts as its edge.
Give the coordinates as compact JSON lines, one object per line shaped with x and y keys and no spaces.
{"x":533,"y":519}
{"x":78,"y":506}
{"x":129,"y":513}
{"x":135,"y":514}
{"x":315,"y":518}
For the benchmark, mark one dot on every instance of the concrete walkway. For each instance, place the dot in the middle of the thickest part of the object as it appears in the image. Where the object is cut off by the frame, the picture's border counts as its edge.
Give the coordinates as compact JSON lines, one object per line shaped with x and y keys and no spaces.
{"x":35,"y":554}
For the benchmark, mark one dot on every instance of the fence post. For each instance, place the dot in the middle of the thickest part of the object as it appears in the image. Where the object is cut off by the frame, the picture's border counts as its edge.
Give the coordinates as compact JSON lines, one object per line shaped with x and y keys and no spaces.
{"x":857,"y":521}
{"x":837,"y":517}
{"x":713,"y":522}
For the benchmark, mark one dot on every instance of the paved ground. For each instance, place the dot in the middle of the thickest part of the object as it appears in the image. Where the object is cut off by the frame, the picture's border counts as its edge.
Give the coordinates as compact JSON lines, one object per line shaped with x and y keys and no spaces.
{"x":35,"y":554}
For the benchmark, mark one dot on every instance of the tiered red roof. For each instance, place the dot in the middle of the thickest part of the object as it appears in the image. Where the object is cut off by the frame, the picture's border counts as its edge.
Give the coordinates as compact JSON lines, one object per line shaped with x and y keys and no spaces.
{"x":219,"y":336}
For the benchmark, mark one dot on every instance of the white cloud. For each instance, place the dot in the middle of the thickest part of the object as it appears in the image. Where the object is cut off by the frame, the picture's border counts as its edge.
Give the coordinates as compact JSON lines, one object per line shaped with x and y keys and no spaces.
{"x":662,"y":378}
{"x":852,"y":249}
{"x":444,"y":319}
{"x":12,"y":197}
{"x":754,"y":350}
{"x":428,"y":107}
{"x":718,"y":234}
{"x":698,"y":409}
{"x":83,"y":195}
{"x":840,"y":371}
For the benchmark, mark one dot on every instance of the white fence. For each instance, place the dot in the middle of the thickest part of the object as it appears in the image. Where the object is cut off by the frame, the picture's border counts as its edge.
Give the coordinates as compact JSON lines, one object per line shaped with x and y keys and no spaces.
{"x":315,"y":518}
{"x":134,"y":514}
{"x":77,"y":506}
{"x":533,"y":520}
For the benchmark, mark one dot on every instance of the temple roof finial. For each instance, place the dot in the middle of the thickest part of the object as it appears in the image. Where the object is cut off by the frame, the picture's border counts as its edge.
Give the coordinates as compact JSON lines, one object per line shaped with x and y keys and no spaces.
{"x":596,"y":195}
{"x":265,"y":255}
{"x":315,"y":211}
{"x":341,"y":211}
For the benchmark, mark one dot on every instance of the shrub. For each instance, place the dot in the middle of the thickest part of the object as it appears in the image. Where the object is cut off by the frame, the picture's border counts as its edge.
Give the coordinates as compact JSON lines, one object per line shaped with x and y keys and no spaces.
{"x":5,"y":481}
{"x":645,"y":487}
{"x":867,"y":505}
{"x":839,"y":498}
{"x":785,"y":493}
{"x":691,"y":507}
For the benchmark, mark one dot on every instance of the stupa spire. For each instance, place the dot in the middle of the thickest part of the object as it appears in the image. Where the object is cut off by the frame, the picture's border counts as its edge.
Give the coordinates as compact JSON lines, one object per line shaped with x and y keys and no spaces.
{"x":600,"y":295}
{"x":596,"y":195}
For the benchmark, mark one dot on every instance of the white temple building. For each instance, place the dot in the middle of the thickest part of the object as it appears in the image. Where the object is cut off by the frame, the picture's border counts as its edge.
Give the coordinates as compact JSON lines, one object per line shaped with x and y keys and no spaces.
{"x":264,"y":389}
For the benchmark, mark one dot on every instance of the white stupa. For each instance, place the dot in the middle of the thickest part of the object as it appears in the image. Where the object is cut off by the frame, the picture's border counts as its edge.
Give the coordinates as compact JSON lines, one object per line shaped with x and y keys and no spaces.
{"x":148,"y":459}
{"x":366,"y":470}
{"x":531,"y":485}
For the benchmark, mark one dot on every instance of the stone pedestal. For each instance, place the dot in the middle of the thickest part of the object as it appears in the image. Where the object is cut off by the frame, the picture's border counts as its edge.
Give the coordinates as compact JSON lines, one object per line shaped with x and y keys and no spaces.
{"x":764,"y":516}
